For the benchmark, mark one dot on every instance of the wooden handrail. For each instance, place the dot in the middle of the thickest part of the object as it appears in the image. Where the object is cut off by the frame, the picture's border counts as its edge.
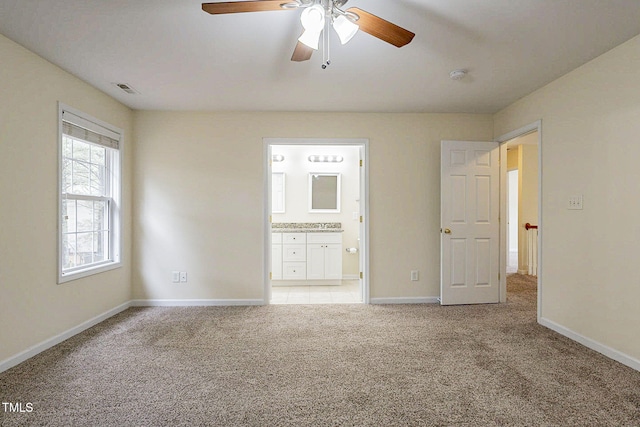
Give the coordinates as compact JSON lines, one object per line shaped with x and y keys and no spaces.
{"x":528,"y":226}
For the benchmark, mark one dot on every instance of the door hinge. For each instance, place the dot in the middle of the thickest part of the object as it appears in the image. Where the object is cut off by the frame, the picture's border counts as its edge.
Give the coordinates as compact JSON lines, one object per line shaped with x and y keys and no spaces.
{"x":361,"y":275}
{"x":360,"y":162}
{"x":361,"y":219}
{"x":270,"y":219}
{"x":270,"y":276}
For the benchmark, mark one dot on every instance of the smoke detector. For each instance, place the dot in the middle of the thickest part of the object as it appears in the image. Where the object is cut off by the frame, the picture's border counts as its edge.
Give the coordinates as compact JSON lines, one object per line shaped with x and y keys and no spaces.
{"x":458,"y":74}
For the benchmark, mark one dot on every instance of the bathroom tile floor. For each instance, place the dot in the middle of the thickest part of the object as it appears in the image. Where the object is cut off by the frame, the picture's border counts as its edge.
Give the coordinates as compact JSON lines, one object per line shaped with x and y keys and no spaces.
{"x":346,"y":293}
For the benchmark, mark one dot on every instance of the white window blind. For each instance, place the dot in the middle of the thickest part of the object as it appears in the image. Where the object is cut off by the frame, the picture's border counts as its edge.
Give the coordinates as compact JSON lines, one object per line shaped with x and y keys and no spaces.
{"x":80,"y":128}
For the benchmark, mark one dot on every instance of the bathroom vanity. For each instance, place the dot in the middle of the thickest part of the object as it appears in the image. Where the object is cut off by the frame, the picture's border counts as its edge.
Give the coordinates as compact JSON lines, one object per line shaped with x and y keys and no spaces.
{"x":306,"y":251}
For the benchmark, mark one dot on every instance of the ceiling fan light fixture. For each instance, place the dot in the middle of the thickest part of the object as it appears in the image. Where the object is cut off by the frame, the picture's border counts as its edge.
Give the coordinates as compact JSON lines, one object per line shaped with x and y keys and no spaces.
{"x":312,"y":18}
{"x":345,"y":28}
{"x":291,"y":5}
{"x":311,"y":39}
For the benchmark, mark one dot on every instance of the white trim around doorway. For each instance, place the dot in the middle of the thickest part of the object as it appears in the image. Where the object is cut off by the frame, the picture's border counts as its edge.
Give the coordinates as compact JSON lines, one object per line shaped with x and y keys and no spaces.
{"x":363,"y":143}
{"x":533,"y":127}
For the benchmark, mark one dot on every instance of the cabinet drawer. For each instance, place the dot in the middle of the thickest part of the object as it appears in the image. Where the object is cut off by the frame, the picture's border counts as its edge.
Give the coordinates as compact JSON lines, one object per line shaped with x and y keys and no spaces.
{"x":294,"y":270}
{"x":294,"y":238}
{"x":294,"y":252}
{"x":276,"y":238}
{"x":324,"y":237}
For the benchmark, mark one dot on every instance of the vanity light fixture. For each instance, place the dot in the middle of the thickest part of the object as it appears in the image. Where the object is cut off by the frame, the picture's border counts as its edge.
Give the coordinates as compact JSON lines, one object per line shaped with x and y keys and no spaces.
{"x":323,"y":158}
{"x":276,"y":158}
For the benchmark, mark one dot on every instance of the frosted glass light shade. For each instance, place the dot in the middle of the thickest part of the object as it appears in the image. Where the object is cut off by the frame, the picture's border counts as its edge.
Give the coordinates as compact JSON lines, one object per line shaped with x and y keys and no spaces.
{"x":345,"y":28}
{"x":310,"y":38}
{"x":312,"y":18}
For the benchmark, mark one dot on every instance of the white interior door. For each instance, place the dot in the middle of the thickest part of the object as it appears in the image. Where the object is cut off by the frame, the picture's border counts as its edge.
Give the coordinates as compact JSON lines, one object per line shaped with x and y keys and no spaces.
{"x":469,"y":220}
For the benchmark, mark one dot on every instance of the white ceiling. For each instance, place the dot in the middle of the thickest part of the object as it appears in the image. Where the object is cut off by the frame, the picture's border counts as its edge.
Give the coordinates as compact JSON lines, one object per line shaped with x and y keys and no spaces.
{"x":180,"y":58}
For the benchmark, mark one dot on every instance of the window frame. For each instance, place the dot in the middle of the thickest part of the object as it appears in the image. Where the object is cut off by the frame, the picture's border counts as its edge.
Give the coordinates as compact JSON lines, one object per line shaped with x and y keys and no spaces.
{"x":113,"y":160}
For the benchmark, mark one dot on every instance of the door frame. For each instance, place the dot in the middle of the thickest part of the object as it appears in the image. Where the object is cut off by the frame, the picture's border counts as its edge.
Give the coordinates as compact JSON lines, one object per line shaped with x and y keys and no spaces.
{"x":363,"y":144}
{"x":504,"y":248}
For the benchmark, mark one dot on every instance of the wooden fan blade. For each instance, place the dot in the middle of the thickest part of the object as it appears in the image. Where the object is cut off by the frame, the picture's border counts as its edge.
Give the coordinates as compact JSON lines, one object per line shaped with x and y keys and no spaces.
{"x":301,"y":53}
{"x":243,"y":6}
{"x":384,"y":30}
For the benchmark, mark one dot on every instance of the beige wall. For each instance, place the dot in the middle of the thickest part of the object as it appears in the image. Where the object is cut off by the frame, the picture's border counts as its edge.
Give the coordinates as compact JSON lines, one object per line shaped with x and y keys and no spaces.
{"x":199,"y":197}
{"x":512,"y":158}
{"x":33,"y":307}
{"x":590,"y":127}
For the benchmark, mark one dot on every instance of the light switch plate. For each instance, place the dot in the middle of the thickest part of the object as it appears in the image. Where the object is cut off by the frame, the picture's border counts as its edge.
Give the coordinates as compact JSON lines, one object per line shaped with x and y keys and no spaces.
{"x":175,"y":276}
{"x":183,"y":276}
{"x":415,"y":275}
{"x":575,"y":202}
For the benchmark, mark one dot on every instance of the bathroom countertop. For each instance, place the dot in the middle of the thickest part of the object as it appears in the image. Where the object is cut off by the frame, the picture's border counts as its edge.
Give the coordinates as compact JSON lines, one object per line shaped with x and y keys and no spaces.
{"x":306,"y":227}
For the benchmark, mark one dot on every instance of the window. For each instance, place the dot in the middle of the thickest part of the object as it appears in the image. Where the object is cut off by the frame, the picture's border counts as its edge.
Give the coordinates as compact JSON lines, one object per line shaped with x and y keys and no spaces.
{"x":90,"y":223}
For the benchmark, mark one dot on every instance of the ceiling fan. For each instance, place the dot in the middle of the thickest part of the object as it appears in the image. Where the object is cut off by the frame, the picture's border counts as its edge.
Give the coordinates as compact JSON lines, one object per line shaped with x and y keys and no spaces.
{"x":316,"y":18}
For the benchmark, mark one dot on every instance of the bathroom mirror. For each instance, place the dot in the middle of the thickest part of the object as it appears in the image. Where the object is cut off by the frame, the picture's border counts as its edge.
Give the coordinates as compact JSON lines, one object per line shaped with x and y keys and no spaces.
{"x":277,"y":192}
{"x":324,"y":192}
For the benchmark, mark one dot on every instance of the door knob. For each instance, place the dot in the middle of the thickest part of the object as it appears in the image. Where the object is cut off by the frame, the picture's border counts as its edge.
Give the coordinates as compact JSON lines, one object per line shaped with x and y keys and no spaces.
{"x":447,"y":231}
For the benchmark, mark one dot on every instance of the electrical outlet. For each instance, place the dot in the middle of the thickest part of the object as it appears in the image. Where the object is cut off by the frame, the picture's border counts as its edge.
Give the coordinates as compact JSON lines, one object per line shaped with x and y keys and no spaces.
{"x":175,"y":276}
{"x":183,"y":276}
{"x":415,"y":275}
{"x":575,"y":202}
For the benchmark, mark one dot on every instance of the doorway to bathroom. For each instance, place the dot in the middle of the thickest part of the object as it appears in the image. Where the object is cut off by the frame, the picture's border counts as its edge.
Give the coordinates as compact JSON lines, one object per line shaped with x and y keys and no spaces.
{"x":316,"y":222}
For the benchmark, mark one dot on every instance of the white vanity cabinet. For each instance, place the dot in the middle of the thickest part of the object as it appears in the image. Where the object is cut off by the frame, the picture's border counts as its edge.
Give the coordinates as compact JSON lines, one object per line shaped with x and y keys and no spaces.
{"x":294,"y":256}
{"x":306,"y":256}
{"x":324,"y":256}
{"x":276,"y":256}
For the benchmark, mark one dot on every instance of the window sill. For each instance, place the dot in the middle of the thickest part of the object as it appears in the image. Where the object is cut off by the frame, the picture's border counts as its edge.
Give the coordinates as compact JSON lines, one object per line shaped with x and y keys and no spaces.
{"x":89,"y":271}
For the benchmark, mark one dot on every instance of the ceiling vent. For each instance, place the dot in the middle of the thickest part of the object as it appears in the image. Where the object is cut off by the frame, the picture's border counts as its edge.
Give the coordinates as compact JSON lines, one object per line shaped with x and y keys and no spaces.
{"x":127,"y":88}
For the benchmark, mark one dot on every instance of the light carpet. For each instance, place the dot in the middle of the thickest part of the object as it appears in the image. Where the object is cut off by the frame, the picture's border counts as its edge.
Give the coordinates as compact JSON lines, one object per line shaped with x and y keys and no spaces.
{"x":324,"y":365}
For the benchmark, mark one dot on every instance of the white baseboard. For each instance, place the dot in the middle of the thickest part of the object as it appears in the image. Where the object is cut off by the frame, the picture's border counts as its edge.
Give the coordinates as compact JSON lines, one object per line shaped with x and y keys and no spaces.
{"x":593,"y":345}
{"x":407,"y":300}
{"x":47,"y":344}
{"x":194,"y":302}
